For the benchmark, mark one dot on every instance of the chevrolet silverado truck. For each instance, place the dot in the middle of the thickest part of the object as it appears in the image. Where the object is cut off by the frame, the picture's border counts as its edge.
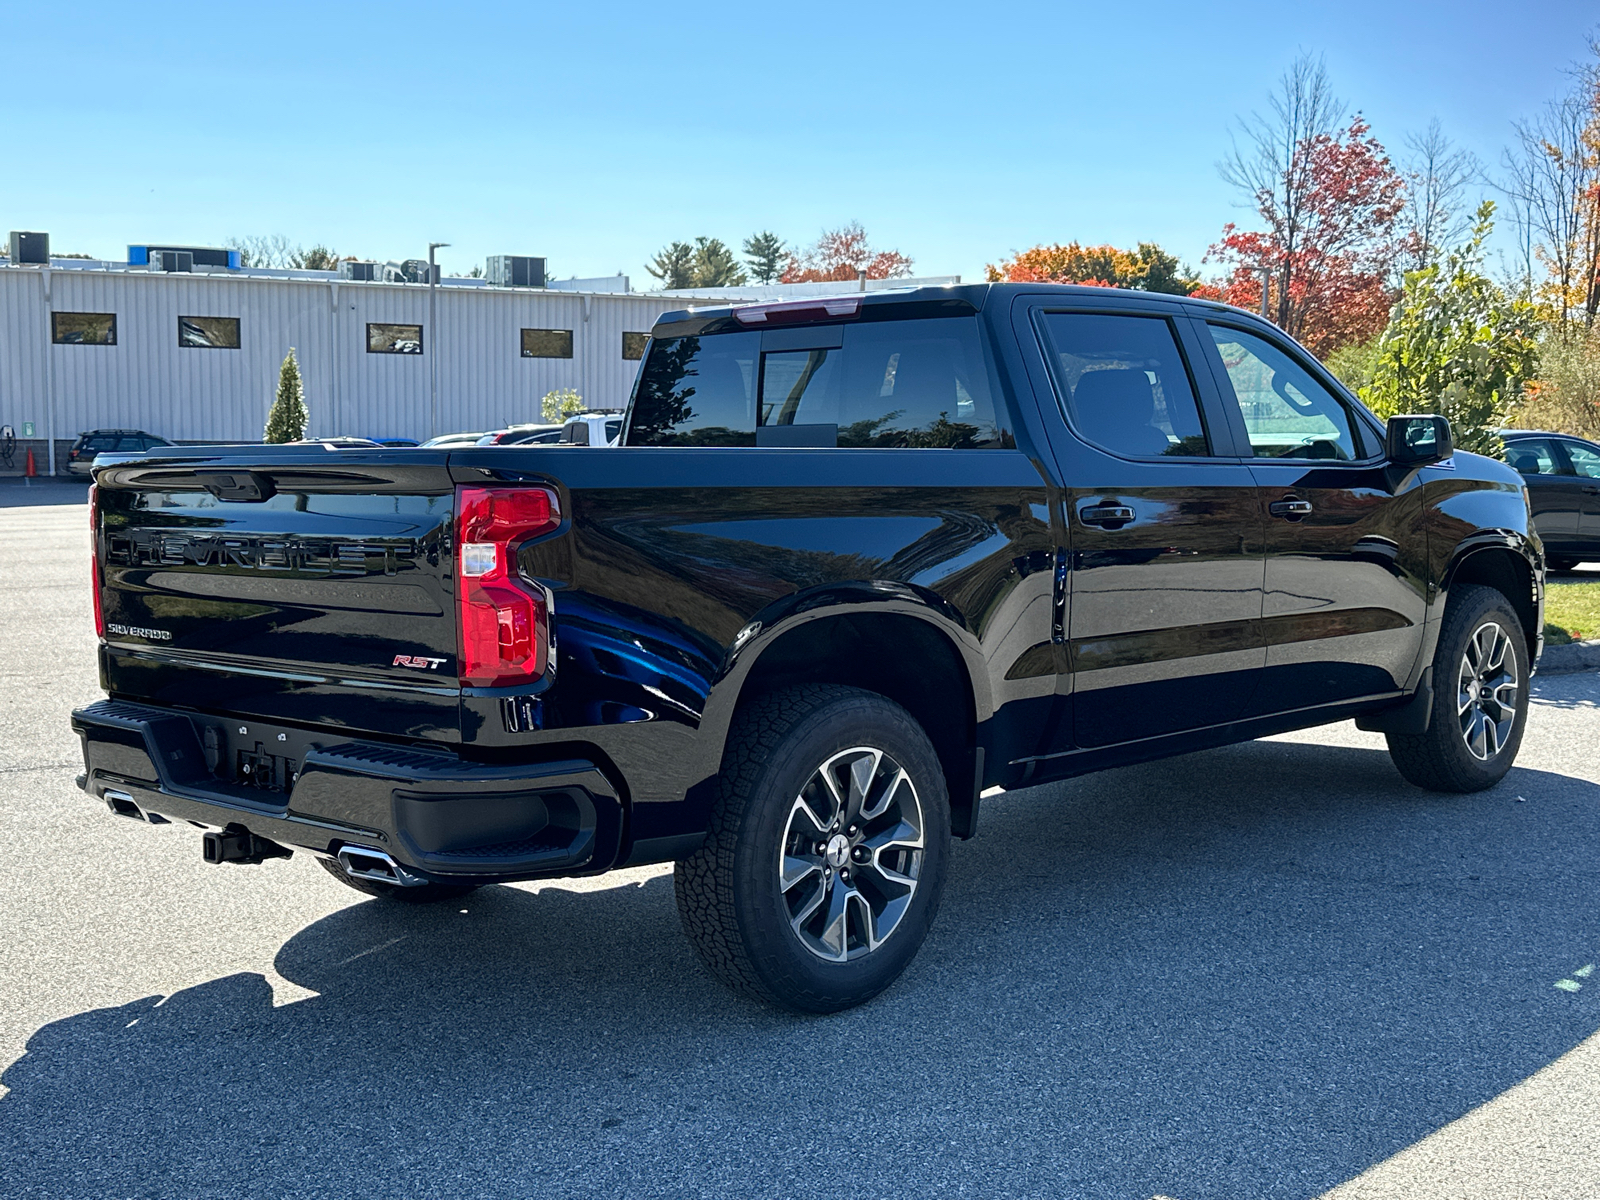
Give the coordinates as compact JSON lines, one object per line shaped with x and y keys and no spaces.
{"x":858,"y":563}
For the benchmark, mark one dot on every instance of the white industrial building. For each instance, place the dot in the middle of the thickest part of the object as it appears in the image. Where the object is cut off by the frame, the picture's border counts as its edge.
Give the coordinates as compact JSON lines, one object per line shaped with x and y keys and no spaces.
{"x":193,"y":354}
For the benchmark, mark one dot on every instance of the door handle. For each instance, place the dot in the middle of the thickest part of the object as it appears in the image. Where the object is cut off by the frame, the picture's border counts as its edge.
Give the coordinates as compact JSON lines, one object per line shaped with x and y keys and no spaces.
{"x":1106,"y":515}
{"x":1290,"y":509}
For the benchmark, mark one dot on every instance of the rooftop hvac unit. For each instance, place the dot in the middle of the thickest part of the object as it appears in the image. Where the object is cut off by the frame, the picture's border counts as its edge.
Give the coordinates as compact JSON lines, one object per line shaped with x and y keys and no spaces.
{"x":362,"y":272}
{"x":412,"y":270}
{"x":199,"y":256}
{"x":515,"y":270}
{"x":30,"y":248}
{"x":171,"y":260}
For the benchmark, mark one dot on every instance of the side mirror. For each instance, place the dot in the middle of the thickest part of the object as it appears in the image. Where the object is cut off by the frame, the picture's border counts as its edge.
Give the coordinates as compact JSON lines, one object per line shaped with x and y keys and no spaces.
{"x":1416,"y":441}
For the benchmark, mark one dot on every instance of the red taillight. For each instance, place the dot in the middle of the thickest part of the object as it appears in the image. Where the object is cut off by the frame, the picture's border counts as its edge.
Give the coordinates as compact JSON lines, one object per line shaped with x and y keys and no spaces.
{"x":797,"y":312}
{"x":94,"y":560}
{"x":505,"y":622}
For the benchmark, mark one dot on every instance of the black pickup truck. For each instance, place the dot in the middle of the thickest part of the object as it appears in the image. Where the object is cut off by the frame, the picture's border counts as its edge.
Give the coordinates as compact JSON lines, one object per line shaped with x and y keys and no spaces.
{"x":859,"y":562}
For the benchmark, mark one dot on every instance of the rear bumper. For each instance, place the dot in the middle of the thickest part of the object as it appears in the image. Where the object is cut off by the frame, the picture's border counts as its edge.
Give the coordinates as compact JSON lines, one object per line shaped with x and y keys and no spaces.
{"x":440,"y":816}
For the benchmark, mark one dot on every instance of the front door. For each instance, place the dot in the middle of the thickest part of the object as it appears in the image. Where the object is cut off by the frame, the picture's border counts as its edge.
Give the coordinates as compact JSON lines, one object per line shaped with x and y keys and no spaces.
{"x":1346,"y":570}
{"x":1584,"y":460}
{"x":1165,"y":567}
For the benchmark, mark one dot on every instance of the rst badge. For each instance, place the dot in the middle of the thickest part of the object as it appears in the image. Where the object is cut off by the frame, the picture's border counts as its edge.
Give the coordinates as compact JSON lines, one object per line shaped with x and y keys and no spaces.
{"x":417,"y":661}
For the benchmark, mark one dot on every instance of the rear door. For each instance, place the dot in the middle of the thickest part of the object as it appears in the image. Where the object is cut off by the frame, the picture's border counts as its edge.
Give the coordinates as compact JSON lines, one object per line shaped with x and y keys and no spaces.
{"x":1584,"y":461}
{"x":1346,"y":572}
{"x":1164,"y":523}
{"x":1555,"y":492}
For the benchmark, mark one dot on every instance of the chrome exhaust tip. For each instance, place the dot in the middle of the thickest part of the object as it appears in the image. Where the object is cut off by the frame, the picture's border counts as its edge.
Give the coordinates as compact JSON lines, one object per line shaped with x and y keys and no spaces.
{"x":363,"y":862}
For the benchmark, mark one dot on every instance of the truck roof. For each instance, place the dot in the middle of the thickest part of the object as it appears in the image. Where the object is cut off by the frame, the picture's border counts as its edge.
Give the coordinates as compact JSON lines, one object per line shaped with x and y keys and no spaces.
{"x":850,"y":303}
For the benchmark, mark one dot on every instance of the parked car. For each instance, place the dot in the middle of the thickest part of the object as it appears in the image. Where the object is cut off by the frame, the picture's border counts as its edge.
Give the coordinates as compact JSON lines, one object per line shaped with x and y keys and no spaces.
{"x":451,"y":440}
{"x":592,"y":429}
{"x":80,"y":458}
{"x":522,"y":435}
{"x":859,"y":561}
{"x":1562,"y":474}
{"x":339,"y":443}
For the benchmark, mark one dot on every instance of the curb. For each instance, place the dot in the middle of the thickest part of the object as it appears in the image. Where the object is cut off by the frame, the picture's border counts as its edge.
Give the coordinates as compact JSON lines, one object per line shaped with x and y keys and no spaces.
{"x":1578,"y":656}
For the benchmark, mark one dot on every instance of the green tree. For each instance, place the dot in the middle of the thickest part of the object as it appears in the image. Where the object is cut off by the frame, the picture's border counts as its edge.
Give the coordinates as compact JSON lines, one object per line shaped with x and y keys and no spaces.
{"x":674,"y":266}
{"x":318,"y":258}
{"x":1457,"y":345}
{"x":766,"y":255}
{"x":715,"y":265}
{"x":287,"y":419}
{"x":560,"y":404}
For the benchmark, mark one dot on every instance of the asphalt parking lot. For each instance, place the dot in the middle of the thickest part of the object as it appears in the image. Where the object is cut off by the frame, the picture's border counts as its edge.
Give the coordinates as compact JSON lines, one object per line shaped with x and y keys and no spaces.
{"x":1273,"y":970}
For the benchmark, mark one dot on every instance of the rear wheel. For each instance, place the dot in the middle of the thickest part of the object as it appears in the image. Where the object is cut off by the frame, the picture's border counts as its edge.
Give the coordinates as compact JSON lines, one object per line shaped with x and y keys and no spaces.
{"x":427,"y":893}
{"x":824,"y":865}
{"x":1480,"y":698}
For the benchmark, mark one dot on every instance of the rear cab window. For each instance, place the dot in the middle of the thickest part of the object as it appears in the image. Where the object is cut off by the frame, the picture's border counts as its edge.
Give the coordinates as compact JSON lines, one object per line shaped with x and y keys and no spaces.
{"x":915,"y":383}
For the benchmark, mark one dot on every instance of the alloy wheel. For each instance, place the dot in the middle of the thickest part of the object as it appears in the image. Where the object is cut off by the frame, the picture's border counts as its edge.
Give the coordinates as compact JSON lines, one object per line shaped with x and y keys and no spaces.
{"x":852,"y":854}
{"x":1487,"y":690}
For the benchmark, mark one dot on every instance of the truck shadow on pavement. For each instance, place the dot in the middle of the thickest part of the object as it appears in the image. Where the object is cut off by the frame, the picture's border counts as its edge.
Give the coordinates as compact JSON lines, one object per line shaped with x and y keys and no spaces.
{"x":1250,"y":972}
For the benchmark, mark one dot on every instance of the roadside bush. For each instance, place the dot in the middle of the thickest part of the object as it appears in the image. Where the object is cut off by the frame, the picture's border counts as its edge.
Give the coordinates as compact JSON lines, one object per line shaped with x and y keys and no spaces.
{"x":560,"y":404}
{"x":1566,"y":396}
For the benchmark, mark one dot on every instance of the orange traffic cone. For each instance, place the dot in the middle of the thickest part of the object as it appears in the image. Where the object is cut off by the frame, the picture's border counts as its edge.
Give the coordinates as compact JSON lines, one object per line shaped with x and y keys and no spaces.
{"x":32,"y":472}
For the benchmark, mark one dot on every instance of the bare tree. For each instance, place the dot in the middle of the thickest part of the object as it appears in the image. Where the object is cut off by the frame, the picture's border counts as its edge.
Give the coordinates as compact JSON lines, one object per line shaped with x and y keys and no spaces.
{"x":1268,"y":164}
{"x":264,"y":250}
{"x":1438,"y":173}
{"x":1553,"y":179}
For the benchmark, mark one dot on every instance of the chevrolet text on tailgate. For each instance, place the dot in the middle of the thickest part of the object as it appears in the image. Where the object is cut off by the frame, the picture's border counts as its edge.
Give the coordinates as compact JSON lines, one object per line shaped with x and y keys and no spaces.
{"x":857,"y":563}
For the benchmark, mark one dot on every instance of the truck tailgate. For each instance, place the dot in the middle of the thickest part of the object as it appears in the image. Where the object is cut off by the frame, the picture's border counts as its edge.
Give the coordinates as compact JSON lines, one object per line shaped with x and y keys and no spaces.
{"x":293,"y":584}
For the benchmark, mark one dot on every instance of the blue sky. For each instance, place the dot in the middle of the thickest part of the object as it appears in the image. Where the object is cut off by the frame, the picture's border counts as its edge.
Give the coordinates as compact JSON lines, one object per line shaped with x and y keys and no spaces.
{"x":595,"y":133}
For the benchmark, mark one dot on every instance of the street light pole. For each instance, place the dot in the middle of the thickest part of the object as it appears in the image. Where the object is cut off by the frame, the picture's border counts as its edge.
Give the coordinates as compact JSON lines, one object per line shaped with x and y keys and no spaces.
{"x":1266,"y":275}
{"x":433,"y":336}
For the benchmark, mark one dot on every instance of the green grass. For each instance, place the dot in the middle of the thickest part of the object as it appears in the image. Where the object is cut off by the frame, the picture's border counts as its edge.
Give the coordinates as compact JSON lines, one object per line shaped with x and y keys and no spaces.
{"x":1571,"y":612}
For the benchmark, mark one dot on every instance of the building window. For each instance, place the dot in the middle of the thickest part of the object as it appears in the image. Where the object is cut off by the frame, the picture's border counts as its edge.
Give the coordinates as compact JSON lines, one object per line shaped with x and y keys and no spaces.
{"x":394,"y":339}
{"x":633,"y":344}
{"x":547,"y":343}
{"x":209,"y":333}
{"x":83,"y":329}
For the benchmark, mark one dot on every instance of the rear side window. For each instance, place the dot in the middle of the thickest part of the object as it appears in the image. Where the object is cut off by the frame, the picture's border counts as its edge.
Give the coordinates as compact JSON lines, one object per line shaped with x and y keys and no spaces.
{"x":1532,"y":456}
{"x":1125,"y":384}
{"x":913,"y":384}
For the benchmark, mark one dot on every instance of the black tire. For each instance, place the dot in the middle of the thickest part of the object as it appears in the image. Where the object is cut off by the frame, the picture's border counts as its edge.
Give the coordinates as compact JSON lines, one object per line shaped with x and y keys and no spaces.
{"x":428,"y":893}
{"x":1450,"y":757}
{"x":1557,"y":563}
{"x":751,"y":925}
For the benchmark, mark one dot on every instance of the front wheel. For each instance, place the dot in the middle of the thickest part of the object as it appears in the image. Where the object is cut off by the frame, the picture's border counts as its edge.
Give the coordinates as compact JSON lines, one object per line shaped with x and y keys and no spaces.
{"x":1480,"y":698}
{"x":825,"y":861}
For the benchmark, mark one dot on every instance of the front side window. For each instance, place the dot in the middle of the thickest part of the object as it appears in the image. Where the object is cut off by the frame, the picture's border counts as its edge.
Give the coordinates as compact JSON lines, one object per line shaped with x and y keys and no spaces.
{"x":394,"y":339}
{"x":1584,"y":461}
{"x":83,"y":329}
{"x":1532,"y":456}
{"x":547,"y":343}
{"x":1125,"y":384}
{"x":208,"y":333}
{"x":1287,"y":413}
